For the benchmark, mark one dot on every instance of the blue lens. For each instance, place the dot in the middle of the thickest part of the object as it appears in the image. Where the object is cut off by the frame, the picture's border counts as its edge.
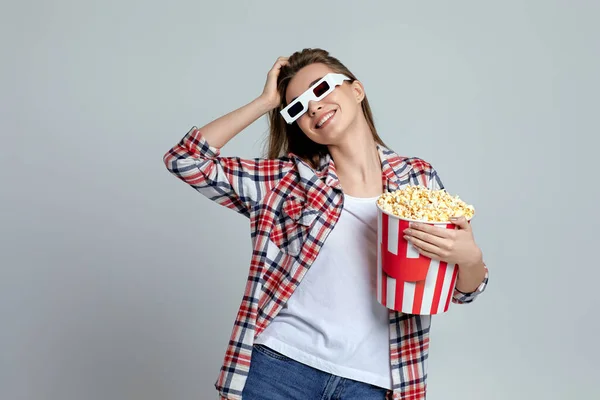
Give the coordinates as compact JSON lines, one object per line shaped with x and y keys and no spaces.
{"x":295,"y":109}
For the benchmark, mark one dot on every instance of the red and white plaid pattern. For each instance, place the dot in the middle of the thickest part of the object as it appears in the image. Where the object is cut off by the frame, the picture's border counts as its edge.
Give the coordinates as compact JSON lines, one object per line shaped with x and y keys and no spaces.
{"x":292,"y":209}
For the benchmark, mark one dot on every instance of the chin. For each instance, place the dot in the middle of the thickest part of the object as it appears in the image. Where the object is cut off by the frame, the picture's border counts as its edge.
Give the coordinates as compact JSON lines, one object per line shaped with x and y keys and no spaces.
{"x":332,"y":136}
{"x":326,"y":140}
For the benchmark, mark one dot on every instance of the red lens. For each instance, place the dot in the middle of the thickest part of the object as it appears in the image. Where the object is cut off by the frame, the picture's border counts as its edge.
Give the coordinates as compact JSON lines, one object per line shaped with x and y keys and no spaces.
{"x":321,"y":89}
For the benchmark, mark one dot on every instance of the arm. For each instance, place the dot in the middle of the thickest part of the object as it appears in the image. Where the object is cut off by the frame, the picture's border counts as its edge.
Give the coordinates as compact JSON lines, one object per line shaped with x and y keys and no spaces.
{"x":472,"y":278}
{"x":233,"y":182}
{"x":220,"y":131}
{"x":471,"y":282}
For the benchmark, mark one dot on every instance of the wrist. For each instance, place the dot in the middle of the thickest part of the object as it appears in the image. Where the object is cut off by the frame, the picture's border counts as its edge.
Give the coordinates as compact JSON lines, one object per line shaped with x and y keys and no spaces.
{"x":475,"y":262}
{"x":470,"y":277}
{"x":263,"y":104}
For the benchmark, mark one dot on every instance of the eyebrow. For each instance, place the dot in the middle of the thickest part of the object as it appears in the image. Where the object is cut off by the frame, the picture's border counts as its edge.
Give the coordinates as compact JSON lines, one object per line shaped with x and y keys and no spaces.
{"x":309,"y":85}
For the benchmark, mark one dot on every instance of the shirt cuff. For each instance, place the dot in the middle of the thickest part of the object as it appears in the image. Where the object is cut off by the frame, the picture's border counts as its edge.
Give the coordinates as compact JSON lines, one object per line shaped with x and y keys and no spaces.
{"x":197,"y":144}
{"x":463,"y":298}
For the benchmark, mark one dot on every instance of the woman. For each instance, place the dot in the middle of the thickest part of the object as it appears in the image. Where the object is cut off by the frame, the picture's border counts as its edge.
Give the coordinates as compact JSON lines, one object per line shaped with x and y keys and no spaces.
{"x":309,"y":326}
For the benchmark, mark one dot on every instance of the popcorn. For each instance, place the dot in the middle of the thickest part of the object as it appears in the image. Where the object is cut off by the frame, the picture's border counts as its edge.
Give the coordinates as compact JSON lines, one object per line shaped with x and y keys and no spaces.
{"x":422,"y":204}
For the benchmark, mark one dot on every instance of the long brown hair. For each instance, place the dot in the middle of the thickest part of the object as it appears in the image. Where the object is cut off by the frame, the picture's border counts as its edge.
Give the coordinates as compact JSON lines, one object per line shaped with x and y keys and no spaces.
{"x":284,"y":138}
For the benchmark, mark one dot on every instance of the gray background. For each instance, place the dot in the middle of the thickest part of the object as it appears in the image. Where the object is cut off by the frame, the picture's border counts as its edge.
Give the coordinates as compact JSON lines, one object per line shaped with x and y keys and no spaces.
{"x":118,"y":281}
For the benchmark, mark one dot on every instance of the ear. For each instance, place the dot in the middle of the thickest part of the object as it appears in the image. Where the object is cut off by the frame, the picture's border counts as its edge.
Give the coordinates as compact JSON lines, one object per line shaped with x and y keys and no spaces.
{"x":358,"y":91}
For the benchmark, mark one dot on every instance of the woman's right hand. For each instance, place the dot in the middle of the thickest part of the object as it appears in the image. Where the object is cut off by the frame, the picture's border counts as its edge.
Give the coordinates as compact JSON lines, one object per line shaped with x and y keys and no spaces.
{"x":220,"y":131}
{"x":270,"y":94}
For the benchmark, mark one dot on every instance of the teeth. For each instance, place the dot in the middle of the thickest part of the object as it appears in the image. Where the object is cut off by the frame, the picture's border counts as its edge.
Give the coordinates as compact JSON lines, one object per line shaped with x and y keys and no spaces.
{"x":325,"y":118}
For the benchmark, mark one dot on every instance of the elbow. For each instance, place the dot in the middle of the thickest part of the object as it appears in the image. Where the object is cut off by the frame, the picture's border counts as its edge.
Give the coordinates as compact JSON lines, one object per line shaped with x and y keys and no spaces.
{"x":187,"y":169}
{"x":169,"y":160}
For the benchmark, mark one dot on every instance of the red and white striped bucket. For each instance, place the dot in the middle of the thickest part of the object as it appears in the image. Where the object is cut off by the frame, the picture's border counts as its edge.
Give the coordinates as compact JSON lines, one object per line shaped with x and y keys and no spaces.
{"x":406,"y":280}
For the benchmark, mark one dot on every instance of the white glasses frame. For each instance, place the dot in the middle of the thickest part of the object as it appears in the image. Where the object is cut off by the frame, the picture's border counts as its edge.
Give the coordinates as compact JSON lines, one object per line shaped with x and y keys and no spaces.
{"x":332,"y":79}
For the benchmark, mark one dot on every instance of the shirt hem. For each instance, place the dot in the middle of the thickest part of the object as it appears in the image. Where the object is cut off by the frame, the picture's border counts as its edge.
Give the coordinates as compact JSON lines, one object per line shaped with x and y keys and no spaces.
{"x":323,"y":365}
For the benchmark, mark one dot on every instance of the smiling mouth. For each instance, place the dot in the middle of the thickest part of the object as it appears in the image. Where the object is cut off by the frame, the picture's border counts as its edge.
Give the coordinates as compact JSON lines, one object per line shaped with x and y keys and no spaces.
{"x":325,"y":119}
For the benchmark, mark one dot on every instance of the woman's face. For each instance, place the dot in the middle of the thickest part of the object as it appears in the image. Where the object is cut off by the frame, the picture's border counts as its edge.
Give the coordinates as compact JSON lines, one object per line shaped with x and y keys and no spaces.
{"x":341,"y":106}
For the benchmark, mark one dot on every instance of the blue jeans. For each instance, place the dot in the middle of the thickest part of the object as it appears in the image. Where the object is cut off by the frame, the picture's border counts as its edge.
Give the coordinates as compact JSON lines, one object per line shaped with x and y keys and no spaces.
{"x":273,"y":376}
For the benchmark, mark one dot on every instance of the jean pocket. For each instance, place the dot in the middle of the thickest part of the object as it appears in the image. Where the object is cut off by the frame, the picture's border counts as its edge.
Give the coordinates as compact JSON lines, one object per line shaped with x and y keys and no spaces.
{"x":267,"y":351}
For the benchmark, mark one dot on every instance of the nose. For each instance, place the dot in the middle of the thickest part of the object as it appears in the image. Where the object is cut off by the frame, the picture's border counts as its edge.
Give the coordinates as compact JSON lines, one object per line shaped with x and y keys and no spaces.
{"x":313,"y":107}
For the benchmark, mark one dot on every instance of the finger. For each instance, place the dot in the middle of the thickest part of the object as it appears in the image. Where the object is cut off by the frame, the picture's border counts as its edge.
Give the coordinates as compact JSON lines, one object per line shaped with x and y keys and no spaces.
{"x":426,"y":253}
{"x":427,"y":237}
{"x":277,"y":66}
{"x":425,"y":246}
{"x":461,"y":222}
{"x":432,"y":230}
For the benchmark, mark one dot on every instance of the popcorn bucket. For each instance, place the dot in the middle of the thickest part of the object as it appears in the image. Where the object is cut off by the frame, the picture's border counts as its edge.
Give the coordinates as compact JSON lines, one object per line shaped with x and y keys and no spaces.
{"x":406,"y":280}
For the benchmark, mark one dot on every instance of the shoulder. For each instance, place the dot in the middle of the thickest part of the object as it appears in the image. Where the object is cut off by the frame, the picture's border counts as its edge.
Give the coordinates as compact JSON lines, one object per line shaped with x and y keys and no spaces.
{"x":422,"y":172}
{"x":411,"y":169}
{"x":405,"y":164}
{"x":419,"y":165}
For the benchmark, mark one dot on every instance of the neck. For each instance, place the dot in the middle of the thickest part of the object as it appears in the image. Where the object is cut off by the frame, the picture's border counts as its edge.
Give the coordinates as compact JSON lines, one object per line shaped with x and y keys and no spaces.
{"x":357,"y":160}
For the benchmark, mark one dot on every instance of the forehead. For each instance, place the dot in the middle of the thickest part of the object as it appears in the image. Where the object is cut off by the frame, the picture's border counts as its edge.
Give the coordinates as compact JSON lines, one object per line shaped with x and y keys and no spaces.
{"x":304,"y":78}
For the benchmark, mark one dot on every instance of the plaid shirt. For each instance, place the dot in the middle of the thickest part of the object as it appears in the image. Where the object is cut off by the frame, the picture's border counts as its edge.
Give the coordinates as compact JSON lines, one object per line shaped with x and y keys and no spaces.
{"x":292,"y":208}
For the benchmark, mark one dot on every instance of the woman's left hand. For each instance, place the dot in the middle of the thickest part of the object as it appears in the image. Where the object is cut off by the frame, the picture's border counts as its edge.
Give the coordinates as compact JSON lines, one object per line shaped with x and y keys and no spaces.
{"x":454,"y":246}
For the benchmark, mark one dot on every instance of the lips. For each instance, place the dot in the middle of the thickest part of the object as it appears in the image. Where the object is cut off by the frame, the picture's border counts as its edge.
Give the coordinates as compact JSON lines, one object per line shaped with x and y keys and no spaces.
{"x":324,"y":119}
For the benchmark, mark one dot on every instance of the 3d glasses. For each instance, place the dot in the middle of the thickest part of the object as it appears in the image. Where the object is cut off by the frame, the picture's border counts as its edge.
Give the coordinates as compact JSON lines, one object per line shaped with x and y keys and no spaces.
{"x":316,"y":92}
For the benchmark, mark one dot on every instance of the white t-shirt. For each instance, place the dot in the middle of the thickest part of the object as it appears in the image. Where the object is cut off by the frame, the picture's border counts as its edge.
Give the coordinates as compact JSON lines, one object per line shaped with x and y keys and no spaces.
{"x":333,"y":321}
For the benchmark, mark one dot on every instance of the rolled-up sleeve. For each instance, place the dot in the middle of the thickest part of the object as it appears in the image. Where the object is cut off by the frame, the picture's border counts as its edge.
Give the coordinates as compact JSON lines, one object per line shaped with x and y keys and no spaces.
{"x":236,"y":183}
{"x":459,"y":297}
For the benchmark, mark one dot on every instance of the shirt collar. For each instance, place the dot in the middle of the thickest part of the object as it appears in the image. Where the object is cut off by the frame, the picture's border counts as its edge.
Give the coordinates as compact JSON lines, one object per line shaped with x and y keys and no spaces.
{"x":393,"y":168}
